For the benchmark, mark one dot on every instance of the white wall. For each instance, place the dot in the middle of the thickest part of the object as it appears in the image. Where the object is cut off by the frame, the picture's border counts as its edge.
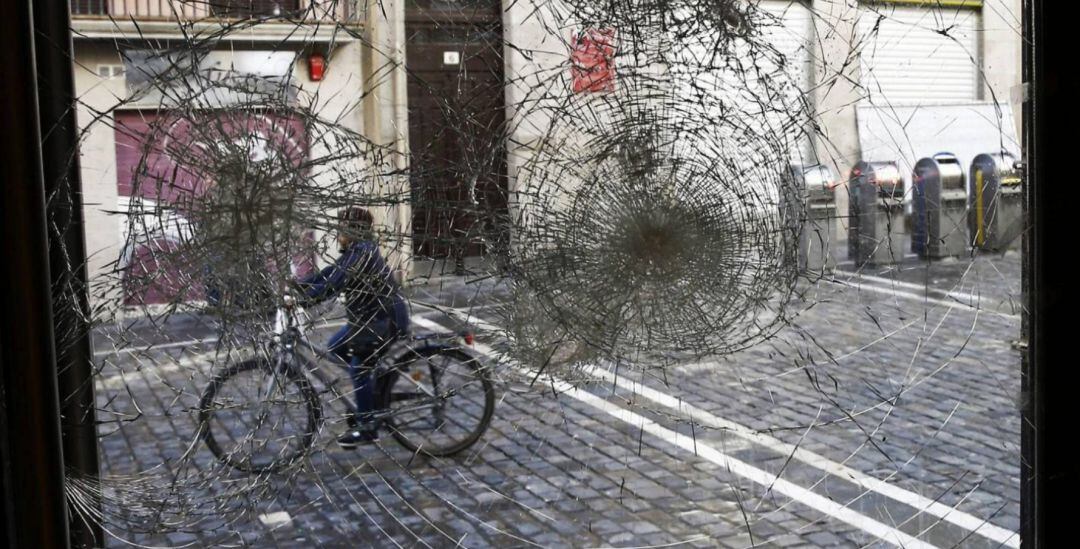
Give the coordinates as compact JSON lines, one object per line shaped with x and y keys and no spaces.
{"x":1002,"y":48}
{"x":97,"y":97}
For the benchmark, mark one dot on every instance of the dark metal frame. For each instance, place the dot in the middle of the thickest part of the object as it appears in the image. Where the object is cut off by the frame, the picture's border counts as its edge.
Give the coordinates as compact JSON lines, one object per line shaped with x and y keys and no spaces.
{"x":34,"y":510}
{"x":1050,"y":468}
{"x":67,"y":250}
{"x":47,"y":423}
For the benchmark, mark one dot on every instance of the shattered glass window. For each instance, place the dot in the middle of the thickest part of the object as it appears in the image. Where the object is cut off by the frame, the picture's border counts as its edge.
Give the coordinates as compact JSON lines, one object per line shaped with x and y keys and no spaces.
{"x":629,"y":273}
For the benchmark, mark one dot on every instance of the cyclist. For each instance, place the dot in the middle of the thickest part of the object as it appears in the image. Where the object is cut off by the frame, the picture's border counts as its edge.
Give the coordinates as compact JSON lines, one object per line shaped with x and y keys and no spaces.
{"x":377,"y":313}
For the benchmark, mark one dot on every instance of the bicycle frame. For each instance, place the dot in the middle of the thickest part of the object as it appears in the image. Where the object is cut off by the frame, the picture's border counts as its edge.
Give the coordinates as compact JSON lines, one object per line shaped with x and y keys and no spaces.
{"x":289,"y":336}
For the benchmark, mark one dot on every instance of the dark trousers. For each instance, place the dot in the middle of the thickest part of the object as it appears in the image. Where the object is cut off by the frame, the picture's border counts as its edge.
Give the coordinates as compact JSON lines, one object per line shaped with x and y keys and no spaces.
{"x":361,"y":347}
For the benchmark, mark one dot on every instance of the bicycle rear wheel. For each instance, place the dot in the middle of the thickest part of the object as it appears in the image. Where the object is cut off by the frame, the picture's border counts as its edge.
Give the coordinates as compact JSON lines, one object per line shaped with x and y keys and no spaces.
{"x":438,"y":401}
{"x":259,"y":420}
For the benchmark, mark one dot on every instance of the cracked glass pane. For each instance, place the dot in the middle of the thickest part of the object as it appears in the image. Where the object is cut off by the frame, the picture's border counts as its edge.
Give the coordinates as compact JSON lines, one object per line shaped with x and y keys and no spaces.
{"x":632,"y":273}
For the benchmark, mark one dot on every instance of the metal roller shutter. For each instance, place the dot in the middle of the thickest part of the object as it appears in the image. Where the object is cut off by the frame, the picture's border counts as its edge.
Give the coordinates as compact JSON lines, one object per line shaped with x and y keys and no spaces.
{"x":792,"y":38}
{"x":920,"y":56}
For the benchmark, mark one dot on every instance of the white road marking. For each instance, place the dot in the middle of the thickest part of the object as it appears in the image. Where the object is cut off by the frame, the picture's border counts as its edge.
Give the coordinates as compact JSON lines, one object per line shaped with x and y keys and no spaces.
{"x":959,"y":296}
{"x":469,"y":317}
{"x":118,"y":381}
{"x":158,"y":347}
{"x":121,"y":380}
{"x":193,"y":342}
{"x":966,"y":521}
{"x":737,"y":467}
{"x":920,"y":298}
{"x":787,"y":488}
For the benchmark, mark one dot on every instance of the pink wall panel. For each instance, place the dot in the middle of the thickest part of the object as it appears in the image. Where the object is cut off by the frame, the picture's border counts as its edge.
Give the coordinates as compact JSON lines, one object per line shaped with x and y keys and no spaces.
{"x":172,"y":160}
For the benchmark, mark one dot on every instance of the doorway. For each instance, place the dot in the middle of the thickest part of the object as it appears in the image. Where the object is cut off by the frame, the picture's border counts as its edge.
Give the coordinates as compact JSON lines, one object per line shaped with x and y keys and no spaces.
{"x":458,"y":177}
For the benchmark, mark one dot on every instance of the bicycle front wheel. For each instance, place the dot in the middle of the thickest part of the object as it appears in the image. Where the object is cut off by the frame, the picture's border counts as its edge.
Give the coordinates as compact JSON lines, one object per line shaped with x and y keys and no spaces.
{"x":438,"y":401}
{"x":257,"y":418}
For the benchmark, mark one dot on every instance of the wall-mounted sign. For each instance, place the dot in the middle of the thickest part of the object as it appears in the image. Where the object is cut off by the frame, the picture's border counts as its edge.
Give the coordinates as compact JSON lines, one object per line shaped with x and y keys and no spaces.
{"x":212,"y":79}
{"x":592,"y":58}
{"x":451,"y":57}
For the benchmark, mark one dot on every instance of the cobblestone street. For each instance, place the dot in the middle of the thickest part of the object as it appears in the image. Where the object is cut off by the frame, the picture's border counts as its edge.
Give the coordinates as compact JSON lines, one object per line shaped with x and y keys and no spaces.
{"x":884,"y":414}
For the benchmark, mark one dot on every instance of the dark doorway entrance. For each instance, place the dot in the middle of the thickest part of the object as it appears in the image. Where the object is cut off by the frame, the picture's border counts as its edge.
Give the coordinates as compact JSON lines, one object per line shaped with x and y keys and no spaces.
{"x":456,"y":119}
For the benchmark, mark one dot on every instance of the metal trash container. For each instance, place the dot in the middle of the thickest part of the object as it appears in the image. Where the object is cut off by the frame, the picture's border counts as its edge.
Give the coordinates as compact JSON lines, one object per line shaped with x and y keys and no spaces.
{"x":812,"y":190}
{"x":876,"y":214}
{"x":996,"y":217}
{"x":939,"y":208}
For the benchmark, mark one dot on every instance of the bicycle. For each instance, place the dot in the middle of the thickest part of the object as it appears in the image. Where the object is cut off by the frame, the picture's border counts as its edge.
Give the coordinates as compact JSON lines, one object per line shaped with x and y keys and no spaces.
{"x":416,"y":397}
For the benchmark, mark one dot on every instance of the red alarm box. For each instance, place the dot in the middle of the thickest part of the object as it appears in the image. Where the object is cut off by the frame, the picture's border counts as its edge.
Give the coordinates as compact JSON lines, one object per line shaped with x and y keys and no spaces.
{"x":316,"y":66}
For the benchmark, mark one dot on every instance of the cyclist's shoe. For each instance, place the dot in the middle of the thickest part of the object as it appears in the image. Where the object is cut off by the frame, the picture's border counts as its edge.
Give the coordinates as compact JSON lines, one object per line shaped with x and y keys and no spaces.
{"x":357,"y":437}
{"x":359,"y":421}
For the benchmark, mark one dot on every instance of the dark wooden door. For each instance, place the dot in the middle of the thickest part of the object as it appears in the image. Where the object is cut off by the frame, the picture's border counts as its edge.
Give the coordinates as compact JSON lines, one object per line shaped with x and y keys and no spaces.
{"x":456,"y":125}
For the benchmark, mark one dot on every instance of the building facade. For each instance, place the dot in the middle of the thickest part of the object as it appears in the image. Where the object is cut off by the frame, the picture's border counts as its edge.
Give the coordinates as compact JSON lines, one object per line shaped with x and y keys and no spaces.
{"x":448,"y":87}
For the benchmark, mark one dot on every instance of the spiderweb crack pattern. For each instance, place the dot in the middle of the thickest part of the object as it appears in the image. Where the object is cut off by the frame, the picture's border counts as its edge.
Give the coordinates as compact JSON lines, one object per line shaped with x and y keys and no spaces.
{"x":604,"y":197}
{"x":650,"y":224}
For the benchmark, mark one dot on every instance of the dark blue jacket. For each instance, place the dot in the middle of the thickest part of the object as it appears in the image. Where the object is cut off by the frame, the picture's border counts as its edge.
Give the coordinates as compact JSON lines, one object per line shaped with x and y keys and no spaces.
{"x":371,"y":293}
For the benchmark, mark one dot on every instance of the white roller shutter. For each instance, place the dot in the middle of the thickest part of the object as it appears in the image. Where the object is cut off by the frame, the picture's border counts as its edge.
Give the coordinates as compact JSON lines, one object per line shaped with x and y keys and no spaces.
{"x":791,"y":36}
{"x":919,"y":56}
